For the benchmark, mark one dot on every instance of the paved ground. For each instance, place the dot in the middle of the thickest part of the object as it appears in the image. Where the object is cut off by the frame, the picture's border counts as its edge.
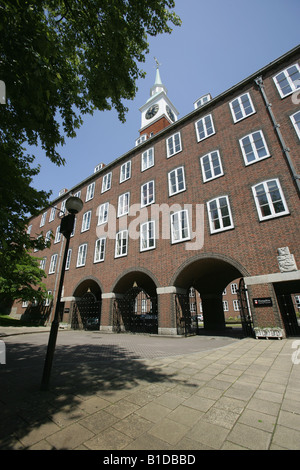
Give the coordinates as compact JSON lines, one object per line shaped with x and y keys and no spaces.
{"x":135,"y":392}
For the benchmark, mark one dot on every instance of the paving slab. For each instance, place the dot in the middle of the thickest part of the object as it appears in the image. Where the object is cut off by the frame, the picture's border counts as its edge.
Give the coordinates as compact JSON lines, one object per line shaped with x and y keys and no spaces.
{"x":136,"y":392}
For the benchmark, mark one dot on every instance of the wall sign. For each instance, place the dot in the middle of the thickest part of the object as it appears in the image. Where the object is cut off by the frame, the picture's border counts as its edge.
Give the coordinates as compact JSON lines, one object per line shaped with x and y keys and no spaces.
{"x":262,"y":302}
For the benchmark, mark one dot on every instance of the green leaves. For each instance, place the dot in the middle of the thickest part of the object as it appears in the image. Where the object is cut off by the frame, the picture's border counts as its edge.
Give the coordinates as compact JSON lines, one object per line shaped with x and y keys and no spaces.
{"x":60,"y":59}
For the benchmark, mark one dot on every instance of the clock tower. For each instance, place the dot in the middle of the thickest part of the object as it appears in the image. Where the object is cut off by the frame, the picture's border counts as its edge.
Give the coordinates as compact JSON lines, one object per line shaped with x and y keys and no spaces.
{"x":158,"y":112}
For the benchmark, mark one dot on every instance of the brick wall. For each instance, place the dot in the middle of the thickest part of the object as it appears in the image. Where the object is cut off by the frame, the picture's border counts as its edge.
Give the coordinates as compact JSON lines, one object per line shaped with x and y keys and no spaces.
{"x":249,"y":248}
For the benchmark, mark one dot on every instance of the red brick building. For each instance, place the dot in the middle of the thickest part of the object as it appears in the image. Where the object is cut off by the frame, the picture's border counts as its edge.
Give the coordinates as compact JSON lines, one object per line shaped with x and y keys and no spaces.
{"x":200,"y":202}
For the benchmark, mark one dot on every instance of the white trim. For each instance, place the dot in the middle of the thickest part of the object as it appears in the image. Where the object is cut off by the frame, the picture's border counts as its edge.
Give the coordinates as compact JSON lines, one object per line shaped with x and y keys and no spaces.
{"x":205,"y":127}
{"x":257,"y":158}
{"x":148,"y":202}
{"x":125,"y":171}
{"x":241,"y":107}
{"x":182,"y":222}
{"x":175,"y":170}
{"x":270,"y":204}
{"x":120,"y":237}
{"x":288,"y":79}
{"x":147,"y":239}
{"x":211,"y":168}
{"x":220,"y":217}
{"x":174,"y":151}
{"x":297,"y":129}
{"x":81,"y":255}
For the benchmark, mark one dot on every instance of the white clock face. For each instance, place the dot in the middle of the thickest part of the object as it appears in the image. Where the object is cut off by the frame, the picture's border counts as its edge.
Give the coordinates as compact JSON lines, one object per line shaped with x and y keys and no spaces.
{"x":152,"y":111}
{"x":170,"y":113}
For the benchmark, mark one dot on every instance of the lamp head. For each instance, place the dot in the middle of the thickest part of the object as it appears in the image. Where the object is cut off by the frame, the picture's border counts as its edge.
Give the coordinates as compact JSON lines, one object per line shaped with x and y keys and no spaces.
{"x":74,"y":205}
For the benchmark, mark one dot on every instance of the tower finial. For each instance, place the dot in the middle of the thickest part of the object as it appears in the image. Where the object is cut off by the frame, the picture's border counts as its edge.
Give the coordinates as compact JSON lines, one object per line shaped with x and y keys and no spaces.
{"x":157,"y":63}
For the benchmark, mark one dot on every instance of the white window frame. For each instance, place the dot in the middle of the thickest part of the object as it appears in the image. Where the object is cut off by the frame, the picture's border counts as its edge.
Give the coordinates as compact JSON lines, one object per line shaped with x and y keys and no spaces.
{"x":254,"y":150}
{"x":147,"y":236}
{"x":212,"y":169}
{"x":103,"y":213}
{"x":267,"y":196}
{"x":147,"y":159}
{"x":234,"y":288}
{"x":86,"y":221}
{"x":293,"y":84}
{"x":149,"y":197}
{"x":225,"y":306}
{"x":180,"y":228}
{"x":43,"y":219}
{"x":296,"y":122}
{"x":52,"y":214}
{"x":57,"y":235}
{"x":68,"y":260}
{"x":48,"y":236}
{"x":63,"y":206}
{"x":90,"y":192}
{"x":123,"y":204}
{"x":81,"y":256}
{"x":219,"y":217}
{"x":242,"y":109}
{"x":173,"y":144}
{"x":43,"y":263}
{"x":121,"y":246}
{"x":52,"y":265}
{"x":173,"y":191}
{"x":99,"y":253}
{"x":106,"y":182}
{"x":125,"y":171}
{"x":236,"y":305}
{"x":207,"y":130}
{"x":48,"y":301}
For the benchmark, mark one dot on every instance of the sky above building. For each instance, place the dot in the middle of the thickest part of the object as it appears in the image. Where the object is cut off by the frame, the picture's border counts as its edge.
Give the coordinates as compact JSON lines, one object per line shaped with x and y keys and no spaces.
{"x":219,"y":44}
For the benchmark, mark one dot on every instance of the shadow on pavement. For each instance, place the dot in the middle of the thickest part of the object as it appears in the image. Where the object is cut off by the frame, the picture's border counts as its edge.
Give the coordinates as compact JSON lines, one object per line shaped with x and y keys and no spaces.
{"x":78,"y":373}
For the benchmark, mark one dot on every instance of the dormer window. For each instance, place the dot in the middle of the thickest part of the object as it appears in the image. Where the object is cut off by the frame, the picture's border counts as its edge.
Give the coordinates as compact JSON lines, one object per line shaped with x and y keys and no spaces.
{"x":141,"y":139}
{"x":201,"y":101}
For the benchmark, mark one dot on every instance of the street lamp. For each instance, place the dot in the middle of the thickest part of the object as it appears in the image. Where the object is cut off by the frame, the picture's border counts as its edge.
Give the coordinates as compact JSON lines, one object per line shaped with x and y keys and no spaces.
{"x":73,"y":206}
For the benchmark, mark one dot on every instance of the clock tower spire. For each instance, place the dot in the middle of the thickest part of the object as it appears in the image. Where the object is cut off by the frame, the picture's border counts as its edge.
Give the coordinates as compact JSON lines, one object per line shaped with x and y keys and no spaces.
{"x":158,"y":112}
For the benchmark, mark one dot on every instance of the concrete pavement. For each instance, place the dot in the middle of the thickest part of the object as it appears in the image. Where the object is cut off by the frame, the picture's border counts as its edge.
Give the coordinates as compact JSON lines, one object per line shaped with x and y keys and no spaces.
{"x":151,"y":393}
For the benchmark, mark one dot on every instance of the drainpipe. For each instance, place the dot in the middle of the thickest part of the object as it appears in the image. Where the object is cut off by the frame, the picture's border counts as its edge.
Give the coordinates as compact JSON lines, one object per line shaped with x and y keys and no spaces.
{"x":286,"y":150}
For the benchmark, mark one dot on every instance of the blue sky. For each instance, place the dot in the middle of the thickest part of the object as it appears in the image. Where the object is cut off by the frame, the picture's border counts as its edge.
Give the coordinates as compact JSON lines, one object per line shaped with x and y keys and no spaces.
{"x":220,"y":43}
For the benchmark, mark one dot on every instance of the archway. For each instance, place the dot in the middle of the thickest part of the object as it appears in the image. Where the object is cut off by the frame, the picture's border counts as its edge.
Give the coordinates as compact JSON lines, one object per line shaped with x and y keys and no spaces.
{"x":86,"y":309}
{"x":209,"y":274}
{"x":135,"y":306}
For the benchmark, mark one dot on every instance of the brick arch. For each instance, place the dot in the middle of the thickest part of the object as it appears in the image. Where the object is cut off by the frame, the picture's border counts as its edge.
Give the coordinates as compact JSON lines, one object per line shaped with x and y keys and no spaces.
{"x":208,"y":269}
{"x":88,"y":282}
{"x":141,"y":276}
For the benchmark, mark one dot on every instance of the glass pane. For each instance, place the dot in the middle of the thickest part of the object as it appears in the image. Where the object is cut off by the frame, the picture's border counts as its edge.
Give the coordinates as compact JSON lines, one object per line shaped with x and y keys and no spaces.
{"x":283,"y":83}
{"x":259,"y":144}
{"x":208,"y":124}
{"x":200,"y":129}
{"x":246,"y":104}
{"x":294,"y":75}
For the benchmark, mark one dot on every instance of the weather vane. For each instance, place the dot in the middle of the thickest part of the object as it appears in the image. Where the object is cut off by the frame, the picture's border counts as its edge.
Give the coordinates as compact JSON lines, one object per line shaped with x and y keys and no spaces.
{"x":157,"y":63}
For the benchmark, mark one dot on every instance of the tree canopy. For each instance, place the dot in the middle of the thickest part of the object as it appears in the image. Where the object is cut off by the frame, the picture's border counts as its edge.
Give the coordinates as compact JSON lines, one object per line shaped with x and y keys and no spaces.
{"x":59,"y":60}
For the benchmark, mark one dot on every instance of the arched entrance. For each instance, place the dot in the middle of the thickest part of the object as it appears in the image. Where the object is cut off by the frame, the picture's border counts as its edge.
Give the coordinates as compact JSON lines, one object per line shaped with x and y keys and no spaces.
{"x":209,"y":274}
{"x":135,"y":306}
{"x":86,"y":309}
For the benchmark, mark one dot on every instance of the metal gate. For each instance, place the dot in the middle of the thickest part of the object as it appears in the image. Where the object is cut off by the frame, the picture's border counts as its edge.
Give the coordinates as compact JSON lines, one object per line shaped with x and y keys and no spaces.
{"x":86,"y":313}
{"x":135,"y":312}
{"x":288,"y":314}
{"x":184,"y":320}
{"x":245,"y":310}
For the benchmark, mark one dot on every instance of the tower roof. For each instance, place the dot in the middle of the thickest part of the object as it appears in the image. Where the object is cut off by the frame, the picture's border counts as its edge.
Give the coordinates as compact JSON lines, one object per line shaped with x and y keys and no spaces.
{"x":158,"y":86}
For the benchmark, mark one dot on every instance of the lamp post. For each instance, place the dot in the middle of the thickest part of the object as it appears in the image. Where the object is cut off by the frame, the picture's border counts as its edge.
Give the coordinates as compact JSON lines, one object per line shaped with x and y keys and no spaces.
{"x":73,"y":206}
